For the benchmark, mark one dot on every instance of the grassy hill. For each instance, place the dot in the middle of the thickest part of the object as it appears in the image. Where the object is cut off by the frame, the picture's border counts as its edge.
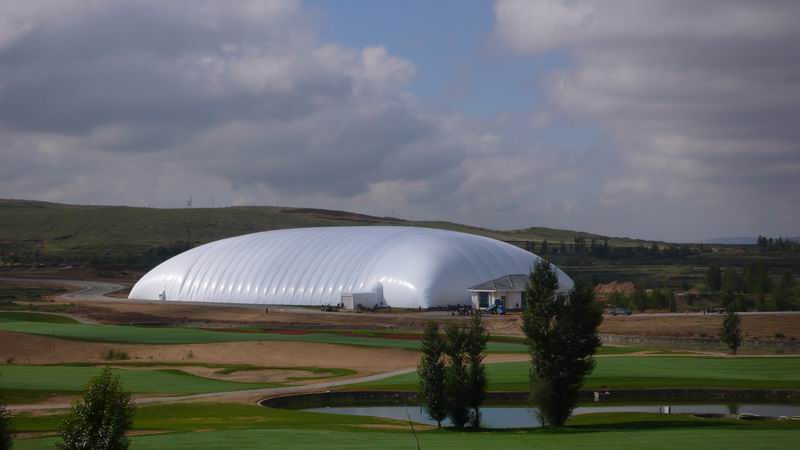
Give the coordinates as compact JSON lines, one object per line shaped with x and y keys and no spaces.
{"x":32,"y":231}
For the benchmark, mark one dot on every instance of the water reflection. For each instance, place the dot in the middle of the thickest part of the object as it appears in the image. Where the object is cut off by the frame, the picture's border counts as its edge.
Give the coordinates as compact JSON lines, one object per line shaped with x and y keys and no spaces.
{"x":526,"y":417}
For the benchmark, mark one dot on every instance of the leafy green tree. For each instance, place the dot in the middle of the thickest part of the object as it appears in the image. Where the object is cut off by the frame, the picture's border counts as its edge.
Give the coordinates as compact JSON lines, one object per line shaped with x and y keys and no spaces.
{"x":783,"y":294}
{"x":431,"y":372}
{"x":731,"y":333}
{"x":640,"y":299}
{"x":731,"y":280}
{"x":6,"y":432}
{"x":672,"y":303}
{"x":728,"y":298}
{"x":714,"y":278}
{"x":100,"y":419}
{"x":477,"y":380}
{"x":561,"y":333}
{"x":456,"y":375}
{"x":756,"y":279}
{"x":617,"y":298}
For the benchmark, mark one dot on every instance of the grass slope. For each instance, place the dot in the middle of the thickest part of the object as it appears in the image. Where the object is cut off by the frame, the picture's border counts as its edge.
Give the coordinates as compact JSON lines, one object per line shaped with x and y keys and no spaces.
{"x":644,"y":372}
{"x":195,"y":426}
{"x":52,"y":378}
{"x":154,"y":335}
{"x":66,"y":328}
{"x":97,"y":232}
{"x":21,"y":316}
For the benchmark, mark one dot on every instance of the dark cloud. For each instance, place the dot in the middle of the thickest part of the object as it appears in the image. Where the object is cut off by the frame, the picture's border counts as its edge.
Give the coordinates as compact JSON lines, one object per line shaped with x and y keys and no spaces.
{"x":703,"y":99}
{"x":146,"y":102}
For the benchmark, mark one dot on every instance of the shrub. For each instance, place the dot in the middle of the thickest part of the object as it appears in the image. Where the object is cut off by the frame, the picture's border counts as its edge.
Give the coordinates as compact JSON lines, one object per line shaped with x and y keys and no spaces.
{"x":6,"y":432}
{"x":115,"y":355}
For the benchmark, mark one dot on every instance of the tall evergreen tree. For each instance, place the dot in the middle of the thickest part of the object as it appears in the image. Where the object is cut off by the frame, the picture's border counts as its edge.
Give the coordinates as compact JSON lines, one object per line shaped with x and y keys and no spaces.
{"x":431,"y":372}
{"x":714,"y":278}
{"x":731,"y":280}
{"x":477,"y":380}
{"x":100,"y":419}
{"x":543,"y":249}
{"x":783,"y":293}
{"x":730,"y":333}
{"x":561,"y":333}
{"x":456,"y":375}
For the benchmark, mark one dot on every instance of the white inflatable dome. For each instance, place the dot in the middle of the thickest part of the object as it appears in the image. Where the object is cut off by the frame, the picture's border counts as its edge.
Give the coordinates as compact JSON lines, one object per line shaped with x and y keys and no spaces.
{"x":409,"y":267}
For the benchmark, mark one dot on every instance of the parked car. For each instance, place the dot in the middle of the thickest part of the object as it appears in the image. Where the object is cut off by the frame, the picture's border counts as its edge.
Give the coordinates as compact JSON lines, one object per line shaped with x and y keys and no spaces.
{"x":716,"y":310}
{"x":620,"y":311}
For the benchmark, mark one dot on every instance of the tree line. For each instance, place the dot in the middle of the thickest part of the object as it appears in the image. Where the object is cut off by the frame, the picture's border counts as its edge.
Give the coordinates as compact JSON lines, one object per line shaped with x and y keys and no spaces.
{"x":600,"y":248}
{"x":778,"y":244}
{"x":754,"y":287}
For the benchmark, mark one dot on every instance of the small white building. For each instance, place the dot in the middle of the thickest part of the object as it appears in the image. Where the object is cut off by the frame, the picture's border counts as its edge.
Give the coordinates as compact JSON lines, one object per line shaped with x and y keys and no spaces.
{"x":363,"y":300}
{"x":506,"y":290}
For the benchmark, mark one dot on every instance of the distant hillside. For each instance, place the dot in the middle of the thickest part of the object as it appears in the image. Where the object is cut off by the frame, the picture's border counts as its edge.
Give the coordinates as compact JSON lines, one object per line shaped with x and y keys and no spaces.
{"x":39,"y":231}
{"x":742,"y":240}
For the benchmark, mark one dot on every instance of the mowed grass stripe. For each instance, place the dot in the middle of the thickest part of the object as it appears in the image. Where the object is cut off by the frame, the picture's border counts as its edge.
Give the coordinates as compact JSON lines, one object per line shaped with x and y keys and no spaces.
{"x":645,"y":372}
{"x":230,"y":425}
{"x":158,"y":335}
{"x":22,"y":316}
{"x":643,"y":434}
{"x":73,"y":379}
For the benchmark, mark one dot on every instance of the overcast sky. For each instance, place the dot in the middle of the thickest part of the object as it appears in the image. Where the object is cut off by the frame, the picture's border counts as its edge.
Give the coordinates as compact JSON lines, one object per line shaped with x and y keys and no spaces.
{"x":661,"y":119}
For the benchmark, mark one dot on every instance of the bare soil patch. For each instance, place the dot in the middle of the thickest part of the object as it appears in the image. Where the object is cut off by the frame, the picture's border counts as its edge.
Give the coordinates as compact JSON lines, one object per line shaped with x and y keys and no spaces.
{"x":753,"y":326}
{"x":300,"y":321}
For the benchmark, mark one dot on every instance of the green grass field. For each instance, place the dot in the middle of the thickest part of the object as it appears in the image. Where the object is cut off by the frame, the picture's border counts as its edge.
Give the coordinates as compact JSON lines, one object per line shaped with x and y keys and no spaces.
{"x":644,"y":372}
{"x":48,"y":326}
{"x":66,"y":328}
{"x":192,"y":426}
{"x":20,"y":384}
{"x":11,"y":317}
{"x":62,"y":378}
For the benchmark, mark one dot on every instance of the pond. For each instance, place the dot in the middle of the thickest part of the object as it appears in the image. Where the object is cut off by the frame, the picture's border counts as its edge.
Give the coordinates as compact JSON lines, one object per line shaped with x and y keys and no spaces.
{"x":516,"y":416}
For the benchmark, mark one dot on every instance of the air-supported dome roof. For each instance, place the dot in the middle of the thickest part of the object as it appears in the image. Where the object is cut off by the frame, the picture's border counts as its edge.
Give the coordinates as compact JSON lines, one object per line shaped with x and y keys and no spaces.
{"x":412,"y":267}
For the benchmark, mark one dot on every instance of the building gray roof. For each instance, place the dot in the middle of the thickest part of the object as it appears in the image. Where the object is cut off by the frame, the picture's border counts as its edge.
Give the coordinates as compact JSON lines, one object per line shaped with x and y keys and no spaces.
{"x":512,"y":282}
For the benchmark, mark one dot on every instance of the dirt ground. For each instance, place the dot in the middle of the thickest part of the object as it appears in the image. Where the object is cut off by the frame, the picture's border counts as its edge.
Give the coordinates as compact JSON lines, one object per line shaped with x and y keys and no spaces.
{"x":120,"y":310}
{"x":762,"y":327}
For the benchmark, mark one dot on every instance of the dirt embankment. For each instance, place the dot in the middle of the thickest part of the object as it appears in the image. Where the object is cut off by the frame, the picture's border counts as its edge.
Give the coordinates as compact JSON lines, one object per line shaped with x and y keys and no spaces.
{"x":761,"y":327}
{"x":754,"y":326}
{"x":22,"y":348}
{"x":120,"y":310}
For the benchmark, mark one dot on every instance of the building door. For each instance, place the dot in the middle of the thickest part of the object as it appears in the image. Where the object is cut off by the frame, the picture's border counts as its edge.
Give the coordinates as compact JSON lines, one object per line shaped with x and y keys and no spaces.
{"x":483,"y":299}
